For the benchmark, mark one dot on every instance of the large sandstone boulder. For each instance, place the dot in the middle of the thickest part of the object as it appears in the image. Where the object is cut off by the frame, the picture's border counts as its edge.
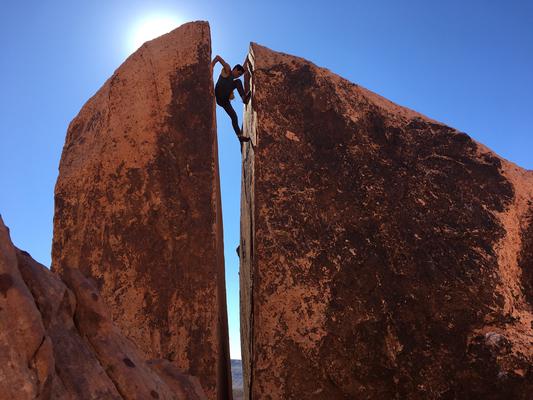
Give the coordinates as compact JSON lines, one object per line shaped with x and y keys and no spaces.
{"x":57,"y":341}
{"x":384,"y":255}
{"x":137,"y":205}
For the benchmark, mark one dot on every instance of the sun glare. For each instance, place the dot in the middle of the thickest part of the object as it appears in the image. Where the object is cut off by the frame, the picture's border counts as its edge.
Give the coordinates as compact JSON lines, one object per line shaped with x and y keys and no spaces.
{"x":151,"y":27}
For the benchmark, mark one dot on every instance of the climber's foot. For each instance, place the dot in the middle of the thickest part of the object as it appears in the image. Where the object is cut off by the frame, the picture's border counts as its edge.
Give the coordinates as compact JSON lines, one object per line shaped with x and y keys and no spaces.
{"x":243,"y":139}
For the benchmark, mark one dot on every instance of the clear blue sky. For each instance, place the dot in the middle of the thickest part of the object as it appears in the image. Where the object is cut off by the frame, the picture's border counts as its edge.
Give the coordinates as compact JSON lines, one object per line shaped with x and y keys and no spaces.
{"x":466,"y":63}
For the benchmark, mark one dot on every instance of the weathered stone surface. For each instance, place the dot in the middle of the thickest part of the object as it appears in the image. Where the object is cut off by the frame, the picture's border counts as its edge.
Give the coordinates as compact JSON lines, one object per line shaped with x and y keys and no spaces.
{"x":137,"y":205}
{"x":184,"y":386}
{"x":57,"y":341}
{"x":79,"y":374}
{"x":25,"y":360}
{"x":384,"y":255}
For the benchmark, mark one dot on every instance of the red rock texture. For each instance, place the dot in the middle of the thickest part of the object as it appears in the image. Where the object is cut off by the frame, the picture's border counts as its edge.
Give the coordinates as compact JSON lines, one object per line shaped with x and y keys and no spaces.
{"x":137,"y":205}
{"x":57,"y":340}
{"x":384,"y":255}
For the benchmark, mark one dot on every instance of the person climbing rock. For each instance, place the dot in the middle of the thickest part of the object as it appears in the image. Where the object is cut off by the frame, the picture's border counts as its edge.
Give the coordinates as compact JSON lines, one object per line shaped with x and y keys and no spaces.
{"x":227,"y":82}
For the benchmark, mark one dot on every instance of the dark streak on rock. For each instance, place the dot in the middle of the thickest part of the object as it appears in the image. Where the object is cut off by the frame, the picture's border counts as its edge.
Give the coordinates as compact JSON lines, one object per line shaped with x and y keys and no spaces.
{"x":526,"y":259}
{"x":128,"y":362}
{"x":6,"y":283}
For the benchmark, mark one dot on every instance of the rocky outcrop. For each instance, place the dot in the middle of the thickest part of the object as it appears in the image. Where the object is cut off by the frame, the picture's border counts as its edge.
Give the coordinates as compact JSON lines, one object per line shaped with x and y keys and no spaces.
{"x":137,"y":205}
{"x":384,"y":255}
{"x":57,"y":340}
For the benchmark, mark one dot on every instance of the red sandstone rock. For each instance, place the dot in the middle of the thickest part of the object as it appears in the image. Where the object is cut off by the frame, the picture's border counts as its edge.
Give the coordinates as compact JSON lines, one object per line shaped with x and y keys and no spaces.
{"x":58,"y":342}
{"x":384,"y":255}
{"x":137,"y":205}
{"x":25,"y":359}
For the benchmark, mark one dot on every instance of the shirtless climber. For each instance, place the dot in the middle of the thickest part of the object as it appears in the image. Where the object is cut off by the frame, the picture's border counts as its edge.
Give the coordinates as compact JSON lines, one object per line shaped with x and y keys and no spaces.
{"x":227,"y":82}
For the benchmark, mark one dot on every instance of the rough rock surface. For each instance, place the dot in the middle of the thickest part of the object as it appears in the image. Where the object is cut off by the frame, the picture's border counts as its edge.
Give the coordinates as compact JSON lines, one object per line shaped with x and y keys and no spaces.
{"x":57,"y":340}
{"x":137,"y":205}
{"x":384,"y":255}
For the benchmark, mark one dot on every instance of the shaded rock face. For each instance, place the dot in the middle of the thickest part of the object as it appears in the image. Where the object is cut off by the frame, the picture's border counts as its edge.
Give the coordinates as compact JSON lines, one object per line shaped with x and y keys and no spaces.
{"x":137,"y":205}
{"x":57,"y":340}
{"x":384,"y":255}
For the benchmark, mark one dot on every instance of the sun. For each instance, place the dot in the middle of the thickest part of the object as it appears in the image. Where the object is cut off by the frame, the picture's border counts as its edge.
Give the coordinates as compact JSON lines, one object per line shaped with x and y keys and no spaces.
{"x":151,"y":27}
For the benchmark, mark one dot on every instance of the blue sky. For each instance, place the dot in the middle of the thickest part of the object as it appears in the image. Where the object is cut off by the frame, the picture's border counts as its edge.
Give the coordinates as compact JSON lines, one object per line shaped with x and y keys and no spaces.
{"x":466,"y":63}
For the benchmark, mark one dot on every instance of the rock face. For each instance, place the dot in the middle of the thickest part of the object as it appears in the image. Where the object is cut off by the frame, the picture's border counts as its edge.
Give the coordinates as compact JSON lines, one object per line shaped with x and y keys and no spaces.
{"x":57,"y":340}
{"x":137,"y":205}
{"x":384,"y":255}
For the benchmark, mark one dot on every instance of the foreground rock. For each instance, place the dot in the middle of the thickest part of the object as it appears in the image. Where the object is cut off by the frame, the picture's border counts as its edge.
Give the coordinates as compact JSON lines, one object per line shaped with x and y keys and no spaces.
{"x":383,"y":255}
{"x":137,"y":205}
{"x":57,"y":340}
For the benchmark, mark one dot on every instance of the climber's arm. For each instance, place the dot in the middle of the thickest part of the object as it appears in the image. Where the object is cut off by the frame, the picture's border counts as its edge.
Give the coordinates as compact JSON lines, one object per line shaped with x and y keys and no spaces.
{"x":225,"y":65}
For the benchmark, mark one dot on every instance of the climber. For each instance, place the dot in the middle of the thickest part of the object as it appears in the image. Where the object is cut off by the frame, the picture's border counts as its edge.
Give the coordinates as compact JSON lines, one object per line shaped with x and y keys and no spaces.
{"x":227,"y":82}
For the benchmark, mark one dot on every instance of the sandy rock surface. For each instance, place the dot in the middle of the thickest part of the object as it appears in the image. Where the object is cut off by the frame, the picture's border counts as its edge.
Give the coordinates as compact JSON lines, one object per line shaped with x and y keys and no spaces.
{"x":384,"y":255}
{"x":137,"y":205}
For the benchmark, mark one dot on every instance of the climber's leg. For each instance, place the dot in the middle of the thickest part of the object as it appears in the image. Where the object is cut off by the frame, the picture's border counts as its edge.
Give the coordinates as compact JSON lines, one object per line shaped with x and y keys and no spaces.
{"x":234,"y":120}
{"x":233,"y":116}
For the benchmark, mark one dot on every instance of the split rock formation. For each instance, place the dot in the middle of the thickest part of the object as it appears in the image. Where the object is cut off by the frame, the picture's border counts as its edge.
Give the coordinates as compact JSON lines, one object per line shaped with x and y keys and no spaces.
{"x":384,"y":255}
